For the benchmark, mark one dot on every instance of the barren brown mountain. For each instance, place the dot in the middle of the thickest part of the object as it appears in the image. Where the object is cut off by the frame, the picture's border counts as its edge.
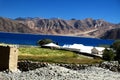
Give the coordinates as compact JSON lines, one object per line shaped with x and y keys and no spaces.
{"x":112,"y":34}
{"x":87,"y":27}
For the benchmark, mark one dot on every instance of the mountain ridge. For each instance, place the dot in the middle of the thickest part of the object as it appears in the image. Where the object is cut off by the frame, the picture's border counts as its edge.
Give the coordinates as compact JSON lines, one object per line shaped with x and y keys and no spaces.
{"x":88,"y":27}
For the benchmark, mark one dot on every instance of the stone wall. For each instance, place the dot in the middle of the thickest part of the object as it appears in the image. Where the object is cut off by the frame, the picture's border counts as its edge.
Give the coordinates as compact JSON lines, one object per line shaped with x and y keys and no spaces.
{"x":8,"y":58}
{"x":13,"y":58}
{"x":29,"y":65}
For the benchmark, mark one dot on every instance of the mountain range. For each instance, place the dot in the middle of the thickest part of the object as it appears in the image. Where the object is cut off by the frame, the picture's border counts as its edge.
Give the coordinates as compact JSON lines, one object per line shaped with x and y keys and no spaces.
{"x":88,"y":27}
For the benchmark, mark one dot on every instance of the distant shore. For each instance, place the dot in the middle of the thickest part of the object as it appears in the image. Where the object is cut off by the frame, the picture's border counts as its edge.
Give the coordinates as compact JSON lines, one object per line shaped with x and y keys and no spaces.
{"x":66,"y":35}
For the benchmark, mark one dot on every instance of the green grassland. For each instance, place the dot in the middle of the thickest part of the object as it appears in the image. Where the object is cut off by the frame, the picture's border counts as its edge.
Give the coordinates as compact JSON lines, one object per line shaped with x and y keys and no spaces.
{"x":53,"y":56}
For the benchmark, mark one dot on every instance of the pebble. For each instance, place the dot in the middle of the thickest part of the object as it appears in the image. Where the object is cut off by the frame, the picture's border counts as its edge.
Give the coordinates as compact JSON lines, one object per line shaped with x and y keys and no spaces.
{"x":54,"y":72}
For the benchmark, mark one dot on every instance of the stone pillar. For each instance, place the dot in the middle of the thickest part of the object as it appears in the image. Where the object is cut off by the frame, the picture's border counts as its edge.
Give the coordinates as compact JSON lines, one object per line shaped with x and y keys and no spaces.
{"x":8,"y":58}
{"x":4,"y":57}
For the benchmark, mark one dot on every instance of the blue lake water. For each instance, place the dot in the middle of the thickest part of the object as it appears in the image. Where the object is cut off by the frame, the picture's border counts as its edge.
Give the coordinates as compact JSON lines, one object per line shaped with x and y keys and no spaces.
{"x":31,"y":39}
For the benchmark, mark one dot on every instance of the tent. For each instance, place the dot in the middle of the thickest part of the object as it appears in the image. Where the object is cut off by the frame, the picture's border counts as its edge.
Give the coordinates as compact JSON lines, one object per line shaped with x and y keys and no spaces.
{"x":51,"y":45}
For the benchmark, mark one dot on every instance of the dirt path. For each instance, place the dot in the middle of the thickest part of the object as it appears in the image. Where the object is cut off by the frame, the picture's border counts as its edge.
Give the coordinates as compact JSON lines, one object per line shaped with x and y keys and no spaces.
{"x":82,"y":33}
{"x":86,"y":32}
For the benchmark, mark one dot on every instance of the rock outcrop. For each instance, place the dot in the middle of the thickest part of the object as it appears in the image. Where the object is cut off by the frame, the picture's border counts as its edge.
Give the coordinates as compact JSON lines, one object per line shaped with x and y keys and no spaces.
{"x":112,"y":34}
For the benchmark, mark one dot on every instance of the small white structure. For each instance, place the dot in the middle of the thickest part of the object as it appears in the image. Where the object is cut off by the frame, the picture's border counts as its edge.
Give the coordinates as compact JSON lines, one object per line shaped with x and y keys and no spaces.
{"x":86,"y":49}
{"x":97,"y":50}
{"x":79,"y":47}
{"x":51,"y":45}
{"x":74,"y":46}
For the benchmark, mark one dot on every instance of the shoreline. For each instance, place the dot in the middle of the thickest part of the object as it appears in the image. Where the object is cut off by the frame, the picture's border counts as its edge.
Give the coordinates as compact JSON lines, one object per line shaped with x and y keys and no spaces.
{"x":63,"y":35}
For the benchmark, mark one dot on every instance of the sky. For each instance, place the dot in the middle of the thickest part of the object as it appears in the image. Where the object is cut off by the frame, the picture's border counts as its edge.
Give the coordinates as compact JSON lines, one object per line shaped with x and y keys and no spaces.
{"x":108,"y":10}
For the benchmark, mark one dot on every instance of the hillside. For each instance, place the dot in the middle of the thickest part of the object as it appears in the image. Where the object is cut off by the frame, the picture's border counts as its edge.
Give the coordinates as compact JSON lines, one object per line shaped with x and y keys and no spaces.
{"x":87,"y":27}
{"x":9,"y":25}
{"x":112,"y":34}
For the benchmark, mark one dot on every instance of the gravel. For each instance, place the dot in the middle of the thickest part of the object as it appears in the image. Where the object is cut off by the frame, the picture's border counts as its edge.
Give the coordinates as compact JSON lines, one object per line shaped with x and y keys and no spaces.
{"x":54,"y":72}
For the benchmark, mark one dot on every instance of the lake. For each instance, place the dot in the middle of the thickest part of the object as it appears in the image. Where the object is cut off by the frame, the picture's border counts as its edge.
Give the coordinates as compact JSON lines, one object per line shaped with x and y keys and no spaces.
{"x":31,"y":39}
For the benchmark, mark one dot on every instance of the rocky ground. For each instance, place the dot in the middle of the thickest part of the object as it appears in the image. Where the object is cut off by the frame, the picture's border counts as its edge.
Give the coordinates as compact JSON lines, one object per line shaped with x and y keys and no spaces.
{"x":55,"y":72}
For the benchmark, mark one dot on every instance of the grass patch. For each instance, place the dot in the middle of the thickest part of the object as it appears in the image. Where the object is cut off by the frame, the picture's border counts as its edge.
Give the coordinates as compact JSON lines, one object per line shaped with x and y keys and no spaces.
{"x":53,"y":56}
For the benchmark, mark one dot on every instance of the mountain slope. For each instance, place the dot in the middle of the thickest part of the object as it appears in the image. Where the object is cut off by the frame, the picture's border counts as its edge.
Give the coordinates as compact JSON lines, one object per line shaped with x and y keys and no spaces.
{"x":8,"y":25}
{"x":87,"y":27}
{"x":112,"y":34}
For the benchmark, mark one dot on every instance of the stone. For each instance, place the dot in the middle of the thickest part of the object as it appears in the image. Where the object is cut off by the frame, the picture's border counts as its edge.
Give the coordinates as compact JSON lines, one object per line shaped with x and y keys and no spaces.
{"x":8,"y":58}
